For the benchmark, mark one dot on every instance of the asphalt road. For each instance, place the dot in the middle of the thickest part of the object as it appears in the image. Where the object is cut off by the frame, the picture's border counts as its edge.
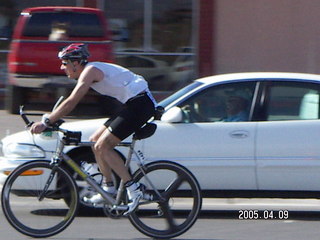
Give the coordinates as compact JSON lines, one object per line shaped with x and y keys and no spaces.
{"x":213,"y":224}
{"x":219,"y":220}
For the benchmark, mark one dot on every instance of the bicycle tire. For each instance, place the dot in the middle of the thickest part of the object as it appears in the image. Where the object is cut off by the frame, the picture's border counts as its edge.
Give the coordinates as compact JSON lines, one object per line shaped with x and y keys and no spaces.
{"x":21,"y":205}
{"x":181,"y":204}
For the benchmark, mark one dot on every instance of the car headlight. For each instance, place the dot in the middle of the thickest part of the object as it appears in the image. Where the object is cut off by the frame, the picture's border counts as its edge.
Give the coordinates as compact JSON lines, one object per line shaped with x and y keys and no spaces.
{"x":22,"y":150}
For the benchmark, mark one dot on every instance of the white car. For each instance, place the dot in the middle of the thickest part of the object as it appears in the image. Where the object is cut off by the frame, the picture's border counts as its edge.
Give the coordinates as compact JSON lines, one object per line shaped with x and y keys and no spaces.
{"x":272,"y":146}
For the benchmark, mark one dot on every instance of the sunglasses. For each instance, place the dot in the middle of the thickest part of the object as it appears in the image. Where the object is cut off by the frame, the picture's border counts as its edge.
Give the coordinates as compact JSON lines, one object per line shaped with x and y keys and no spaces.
{"x":65,"y":63}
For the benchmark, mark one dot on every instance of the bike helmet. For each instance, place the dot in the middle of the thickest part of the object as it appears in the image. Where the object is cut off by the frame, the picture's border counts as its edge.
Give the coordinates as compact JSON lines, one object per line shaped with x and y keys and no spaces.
{"x":75,"y":51}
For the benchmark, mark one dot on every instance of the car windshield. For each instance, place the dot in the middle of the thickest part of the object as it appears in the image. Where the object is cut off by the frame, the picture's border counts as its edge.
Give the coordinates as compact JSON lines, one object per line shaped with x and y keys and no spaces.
{"x":41,"y":24}
{"x":164,"y":103}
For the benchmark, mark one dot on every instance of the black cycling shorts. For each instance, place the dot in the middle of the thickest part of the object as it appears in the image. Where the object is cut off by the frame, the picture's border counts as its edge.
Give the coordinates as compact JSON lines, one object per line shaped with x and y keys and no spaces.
{"x":135,"y":113}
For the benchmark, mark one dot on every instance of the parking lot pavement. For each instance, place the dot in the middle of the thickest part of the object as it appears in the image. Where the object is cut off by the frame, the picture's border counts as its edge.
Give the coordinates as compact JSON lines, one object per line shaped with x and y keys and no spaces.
{"x":6,"y":128}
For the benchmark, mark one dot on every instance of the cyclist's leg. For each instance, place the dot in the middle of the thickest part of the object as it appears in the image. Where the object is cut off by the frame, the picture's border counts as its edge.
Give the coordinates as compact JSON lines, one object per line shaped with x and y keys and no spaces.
{"x":135,"y":114}
{"x":105,"y":168}
{"x":103,"y":150}
{"x":106,"y":156}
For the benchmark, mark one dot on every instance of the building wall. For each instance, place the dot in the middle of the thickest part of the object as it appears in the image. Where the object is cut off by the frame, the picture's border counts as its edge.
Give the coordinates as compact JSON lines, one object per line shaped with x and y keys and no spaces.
{"x":246,"y":35}
{"x":266,"y":35}
{"x":206,"y":37}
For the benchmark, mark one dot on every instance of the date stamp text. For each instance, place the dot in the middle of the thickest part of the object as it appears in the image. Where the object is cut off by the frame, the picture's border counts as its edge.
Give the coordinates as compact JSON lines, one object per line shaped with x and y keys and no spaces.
{"x":263,"y":214}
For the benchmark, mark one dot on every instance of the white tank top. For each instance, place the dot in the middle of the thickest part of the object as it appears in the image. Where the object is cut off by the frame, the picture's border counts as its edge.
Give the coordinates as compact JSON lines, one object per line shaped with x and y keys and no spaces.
{"x":118,"y":82}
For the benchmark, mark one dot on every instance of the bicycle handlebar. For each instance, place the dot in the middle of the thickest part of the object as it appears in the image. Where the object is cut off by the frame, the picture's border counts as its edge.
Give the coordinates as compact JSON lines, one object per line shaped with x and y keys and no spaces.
{"x":25,"y":118}
{"x":70,"y":137}
{"x":54,"y":127}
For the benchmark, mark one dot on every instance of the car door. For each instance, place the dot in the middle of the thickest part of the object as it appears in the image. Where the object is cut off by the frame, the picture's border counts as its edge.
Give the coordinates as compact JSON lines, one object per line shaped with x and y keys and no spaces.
{"x":219,"y":153}
{"x":288,"y":147}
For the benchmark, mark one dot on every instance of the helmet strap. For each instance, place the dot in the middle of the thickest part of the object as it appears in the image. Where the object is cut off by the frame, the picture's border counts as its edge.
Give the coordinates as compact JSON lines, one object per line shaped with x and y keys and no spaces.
{"x":73,"y":66}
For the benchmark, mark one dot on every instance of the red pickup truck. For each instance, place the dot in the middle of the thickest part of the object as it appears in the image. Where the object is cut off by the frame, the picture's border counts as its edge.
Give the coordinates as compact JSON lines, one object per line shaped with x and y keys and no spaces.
{"x":39,"y":34}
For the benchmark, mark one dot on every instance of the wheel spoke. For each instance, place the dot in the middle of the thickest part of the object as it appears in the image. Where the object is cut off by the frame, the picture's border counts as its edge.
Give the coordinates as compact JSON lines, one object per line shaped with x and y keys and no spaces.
{"x":168,"y":215}
{"x":173,"y":187}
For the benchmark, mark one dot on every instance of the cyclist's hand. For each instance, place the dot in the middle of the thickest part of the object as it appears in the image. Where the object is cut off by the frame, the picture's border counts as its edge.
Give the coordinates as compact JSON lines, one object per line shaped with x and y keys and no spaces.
{"x":37,"y":128}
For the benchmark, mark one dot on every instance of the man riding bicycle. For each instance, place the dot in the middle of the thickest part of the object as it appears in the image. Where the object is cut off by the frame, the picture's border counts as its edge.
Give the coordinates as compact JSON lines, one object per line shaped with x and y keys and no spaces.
{"x":114,"y":81}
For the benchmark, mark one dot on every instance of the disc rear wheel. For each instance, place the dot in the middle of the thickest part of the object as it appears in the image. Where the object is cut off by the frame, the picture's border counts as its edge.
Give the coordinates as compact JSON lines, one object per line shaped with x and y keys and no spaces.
{"x":175,"y":208}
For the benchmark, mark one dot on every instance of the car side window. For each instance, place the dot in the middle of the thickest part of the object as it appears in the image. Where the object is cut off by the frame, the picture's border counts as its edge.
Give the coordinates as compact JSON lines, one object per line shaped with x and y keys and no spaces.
{"x":224,"y":103}
{"x":293,"y":101}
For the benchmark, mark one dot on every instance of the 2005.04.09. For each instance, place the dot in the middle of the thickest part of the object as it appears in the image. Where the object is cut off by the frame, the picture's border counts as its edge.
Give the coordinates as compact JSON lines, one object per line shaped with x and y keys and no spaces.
{"x":265,"y":214}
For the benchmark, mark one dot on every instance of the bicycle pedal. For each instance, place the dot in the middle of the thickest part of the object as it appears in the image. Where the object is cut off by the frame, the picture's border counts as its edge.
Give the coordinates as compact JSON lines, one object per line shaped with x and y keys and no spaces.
{"x":97,"y":205}
{"x":143,"y":187}
{"x":146,"y":196}
{"x":119,"y":208}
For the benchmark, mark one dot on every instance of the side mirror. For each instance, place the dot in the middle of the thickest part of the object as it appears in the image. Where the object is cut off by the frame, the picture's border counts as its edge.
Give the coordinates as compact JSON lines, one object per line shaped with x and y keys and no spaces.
{"x":173,"y":115}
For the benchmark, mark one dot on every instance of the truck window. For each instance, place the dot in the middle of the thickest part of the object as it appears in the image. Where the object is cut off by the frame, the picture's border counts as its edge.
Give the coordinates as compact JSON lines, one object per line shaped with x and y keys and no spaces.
{"x":40,"y":24}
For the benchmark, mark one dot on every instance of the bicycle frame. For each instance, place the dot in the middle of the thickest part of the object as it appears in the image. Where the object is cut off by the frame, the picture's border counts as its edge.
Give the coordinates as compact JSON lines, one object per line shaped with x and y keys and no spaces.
{"x":61,"y":156}
{"x":72,"y":138}
{"x":115,"y":203}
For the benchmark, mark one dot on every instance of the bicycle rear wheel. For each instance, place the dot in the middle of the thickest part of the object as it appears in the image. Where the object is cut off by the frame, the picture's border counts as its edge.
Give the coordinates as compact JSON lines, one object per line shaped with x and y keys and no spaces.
{"x":39,"y":217}
{"x":178,"y":207}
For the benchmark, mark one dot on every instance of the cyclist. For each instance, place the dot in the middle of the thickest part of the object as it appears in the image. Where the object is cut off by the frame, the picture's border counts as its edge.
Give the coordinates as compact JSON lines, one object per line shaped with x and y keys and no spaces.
{"x":114,"y":81}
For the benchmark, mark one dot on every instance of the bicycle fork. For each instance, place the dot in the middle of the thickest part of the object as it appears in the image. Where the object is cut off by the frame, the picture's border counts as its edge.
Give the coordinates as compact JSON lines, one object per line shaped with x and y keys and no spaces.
{"x":46,"y":186}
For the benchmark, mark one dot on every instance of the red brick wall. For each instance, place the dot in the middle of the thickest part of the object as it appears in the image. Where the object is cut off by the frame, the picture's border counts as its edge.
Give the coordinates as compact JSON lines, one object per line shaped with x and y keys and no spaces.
{"x":90,"y":3}
{"x":206,"y":38}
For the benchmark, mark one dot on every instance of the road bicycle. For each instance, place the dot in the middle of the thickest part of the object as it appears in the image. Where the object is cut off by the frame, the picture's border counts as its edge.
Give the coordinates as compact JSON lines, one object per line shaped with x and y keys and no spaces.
{"x":40,"y":198}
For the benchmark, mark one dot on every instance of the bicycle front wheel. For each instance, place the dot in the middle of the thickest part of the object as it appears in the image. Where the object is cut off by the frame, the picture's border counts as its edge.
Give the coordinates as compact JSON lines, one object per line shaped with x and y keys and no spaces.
{"x":36,"y":204}
{"x":174,"y":200}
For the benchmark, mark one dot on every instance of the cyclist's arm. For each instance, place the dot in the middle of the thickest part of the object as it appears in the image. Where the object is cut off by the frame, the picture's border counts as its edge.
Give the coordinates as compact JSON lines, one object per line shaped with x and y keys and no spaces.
{"x":87,"y":77}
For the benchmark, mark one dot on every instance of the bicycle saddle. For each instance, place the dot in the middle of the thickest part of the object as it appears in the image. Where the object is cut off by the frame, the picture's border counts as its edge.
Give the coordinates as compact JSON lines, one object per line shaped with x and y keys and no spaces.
{"x":146,"y":131}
